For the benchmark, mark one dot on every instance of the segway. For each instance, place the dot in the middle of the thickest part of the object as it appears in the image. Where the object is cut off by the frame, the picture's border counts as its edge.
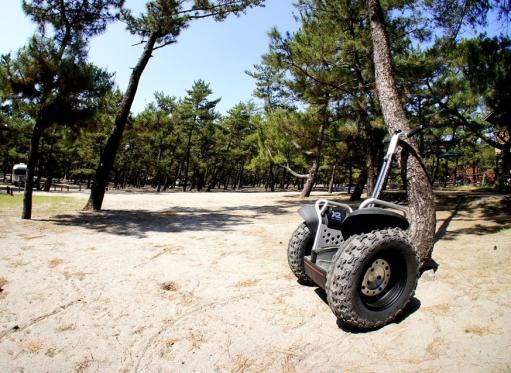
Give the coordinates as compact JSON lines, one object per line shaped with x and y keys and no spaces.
{"x":362,"y":258}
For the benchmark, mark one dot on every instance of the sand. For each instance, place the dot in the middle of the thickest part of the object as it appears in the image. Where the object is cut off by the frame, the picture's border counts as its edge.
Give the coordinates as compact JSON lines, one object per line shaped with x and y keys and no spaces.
{"x":199,"y":282}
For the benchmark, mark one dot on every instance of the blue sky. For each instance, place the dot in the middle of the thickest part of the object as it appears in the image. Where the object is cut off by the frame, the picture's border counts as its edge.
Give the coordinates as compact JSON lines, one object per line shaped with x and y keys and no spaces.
{"x":219,"y":53}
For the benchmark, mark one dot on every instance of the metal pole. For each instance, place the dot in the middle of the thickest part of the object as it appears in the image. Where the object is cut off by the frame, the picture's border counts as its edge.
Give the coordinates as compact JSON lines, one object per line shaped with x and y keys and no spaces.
{"x":387,"y":161}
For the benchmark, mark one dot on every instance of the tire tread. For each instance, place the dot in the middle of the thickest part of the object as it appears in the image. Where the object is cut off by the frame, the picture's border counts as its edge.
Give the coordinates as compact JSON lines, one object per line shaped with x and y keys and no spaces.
{"x":340,"y":282}
{"x":299,"y":244}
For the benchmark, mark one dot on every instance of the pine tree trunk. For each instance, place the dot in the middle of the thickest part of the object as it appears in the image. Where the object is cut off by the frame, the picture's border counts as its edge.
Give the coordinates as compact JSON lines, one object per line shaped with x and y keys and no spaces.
{"x":435,"y":170}
{"x":370,"y":165}
{"x":241,"y":175}
{"x":446,"y":173}
{"x":359,"y":187}
{"x":332,"y":179}
{"x":311,"y":180}
{"x":504,"y":172}
{"x":110,"y":151}
{"x":350,"y":176}
{"x":421,"y":202}
{"x":313,"y":172}
{"x":48,"y":174}
{"x":49,"y":179}
{"x":271,"y":179}
{"x":187,"y":160}
{"x":32,"y":160}
{"x":177,"y":175}
{"x":214,"y":179}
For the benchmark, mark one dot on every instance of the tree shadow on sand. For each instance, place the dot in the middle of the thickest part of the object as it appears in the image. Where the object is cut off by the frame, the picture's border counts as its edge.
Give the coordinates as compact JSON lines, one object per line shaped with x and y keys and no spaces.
{"x":472,"y":207}
{"x":138,"y":223}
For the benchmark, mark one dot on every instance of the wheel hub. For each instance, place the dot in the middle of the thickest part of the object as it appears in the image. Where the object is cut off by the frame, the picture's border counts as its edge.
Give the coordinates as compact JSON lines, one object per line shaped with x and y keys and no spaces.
{"x":376,"y":278}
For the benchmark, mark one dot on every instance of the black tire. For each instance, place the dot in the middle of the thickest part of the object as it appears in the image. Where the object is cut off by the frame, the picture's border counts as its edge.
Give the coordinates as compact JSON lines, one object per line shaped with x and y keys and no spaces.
{"x":385,"y":295}
{"x":300,"y":245}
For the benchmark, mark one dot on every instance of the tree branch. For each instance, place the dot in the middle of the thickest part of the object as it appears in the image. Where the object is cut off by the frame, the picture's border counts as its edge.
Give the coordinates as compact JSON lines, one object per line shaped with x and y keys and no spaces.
{"x":214,"y":9}
{"x":164,"y":44}
{"x":293,"y":64}
{"x":471,"y":125}
{"x":286,"y":166}
{"x":297,"y":146}
{"x":300,"y":176}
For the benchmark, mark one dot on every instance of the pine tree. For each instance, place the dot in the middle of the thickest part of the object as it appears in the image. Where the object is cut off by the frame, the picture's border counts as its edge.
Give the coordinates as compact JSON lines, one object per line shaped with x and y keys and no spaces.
{"x":160,"y":26}
{"x":49,"y":79}
{"x":421,"y":201}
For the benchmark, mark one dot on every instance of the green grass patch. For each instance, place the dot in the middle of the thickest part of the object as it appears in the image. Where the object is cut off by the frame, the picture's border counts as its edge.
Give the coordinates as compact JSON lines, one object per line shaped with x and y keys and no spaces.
{"x":40,"y":204}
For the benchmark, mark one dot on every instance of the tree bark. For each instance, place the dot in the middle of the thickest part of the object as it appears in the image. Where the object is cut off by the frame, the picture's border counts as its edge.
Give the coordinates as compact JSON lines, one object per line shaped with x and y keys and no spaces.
{"x":240,"y":179}
{"x":271,"y":180}
{"x":421,"y":202}
{"x":504,"y":173}
{"x":332,"y":179}
{"x":110,"y":151}
{"x":49,"y":177}
{"x":350,"y":176}
{"x":370,"y":165}
{"x":311,"y":180}
{"x":187,"y":159}
{"x":32,"y":160}
{"x":359,"y":187}
{"x":313,"y":172}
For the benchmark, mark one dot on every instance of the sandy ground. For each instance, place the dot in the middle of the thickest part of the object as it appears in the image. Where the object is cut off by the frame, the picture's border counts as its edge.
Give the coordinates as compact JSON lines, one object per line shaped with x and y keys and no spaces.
{"x":200,"y":283}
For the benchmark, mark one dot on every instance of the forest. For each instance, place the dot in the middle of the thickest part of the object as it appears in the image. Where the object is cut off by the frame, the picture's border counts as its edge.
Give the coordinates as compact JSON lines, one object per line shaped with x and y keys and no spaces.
{"x":315,"y":121}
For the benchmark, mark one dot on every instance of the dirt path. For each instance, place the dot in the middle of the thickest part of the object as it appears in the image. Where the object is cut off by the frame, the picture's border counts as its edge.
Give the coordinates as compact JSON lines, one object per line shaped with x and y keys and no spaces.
{"x":200,"y":282}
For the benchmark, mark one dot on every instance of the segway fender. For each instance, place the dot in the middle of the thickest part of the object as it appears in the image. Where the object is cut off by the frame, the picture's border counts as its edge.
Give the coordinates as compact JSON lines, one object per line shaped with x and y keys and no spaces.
{"x":308,"y":213}
{"x":368,"y":219}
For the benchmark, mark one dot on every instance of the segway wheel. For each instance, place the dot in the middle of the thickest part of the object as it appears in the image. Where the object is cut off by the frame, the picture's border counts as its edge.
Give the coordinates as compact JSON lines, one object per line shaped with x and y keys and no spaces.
{"x":372,"y":279}
{"x":300,"y":245}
